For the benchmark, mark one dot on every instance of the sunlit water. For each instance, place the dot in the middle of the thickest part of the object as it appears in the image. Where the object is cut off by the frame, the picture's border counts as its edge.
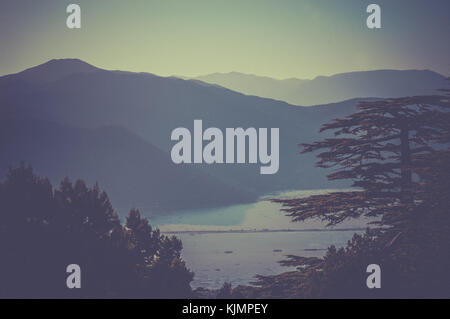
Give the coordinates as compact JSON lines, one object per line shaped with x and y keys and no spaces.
{"x":235,"y":243}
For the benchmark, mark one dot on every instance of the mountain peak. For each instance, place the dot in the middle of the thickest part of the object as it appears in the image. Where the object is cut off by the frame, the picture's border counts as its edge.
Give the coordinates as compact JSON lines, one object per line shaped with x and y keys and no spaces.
{"x":55,"y":69}
{"x":69,"y":62}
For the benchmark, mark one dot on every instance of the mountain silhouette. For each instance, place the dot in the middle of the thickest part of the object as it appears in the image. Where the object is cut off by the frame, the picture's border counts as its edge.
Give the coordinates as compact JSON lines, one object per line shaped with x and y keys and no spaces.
{"x":53,"y":70}
{"x":117,"y":127}
{"x":134,"y":172}
{"x":329,"y":89}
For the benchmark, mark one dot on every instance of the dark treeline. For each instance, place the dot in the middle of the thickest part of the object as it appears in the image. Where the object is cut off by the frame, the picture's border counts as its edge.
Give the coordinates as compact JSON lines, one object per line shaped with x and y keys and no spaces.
{"x":396,"y":152}
{"x":43,"y":230}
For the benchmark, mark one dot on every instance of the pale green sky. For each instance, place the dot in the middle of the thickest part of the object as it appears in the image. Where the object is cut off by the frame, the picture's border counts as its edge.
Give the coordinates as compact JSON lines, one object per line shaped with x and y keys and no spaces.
{"x":281,"y":39}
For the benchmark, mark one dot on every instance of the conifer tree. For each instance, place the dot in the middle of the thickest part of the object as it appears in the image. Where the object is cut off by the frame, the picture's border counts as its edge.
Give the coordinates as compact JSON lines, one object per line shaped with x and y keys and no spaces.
{"x":376,"y":148}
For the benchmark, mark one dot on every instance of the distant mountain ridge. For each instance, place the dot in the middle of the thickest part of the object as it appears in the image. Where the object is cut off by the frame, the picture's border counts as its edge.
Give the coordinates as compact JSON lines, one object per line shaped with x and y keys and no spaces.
{"x":335,"y":88}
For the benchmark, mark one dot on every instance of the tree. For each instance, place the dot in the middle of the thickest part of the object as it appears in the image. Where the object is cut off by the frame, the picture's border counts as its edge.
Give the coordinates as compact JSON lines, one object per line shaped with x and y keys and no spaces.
{"x":21,"y":192}
{"x":375,"y":148}
{"x":158,"y":259}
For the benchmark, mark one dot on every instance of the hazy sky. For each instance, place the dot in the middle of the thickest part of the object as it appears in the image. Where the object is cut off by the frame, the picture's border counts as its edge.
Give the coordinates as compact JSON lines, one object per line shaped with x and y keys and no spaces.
{"x":281,"y":39}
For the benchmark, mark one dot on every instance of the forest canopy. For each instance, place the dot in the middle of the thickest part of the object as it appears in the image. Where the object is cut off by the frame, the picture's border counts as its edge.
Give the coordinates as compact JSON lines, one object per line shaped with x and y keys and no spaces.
{"x":43,"y":230}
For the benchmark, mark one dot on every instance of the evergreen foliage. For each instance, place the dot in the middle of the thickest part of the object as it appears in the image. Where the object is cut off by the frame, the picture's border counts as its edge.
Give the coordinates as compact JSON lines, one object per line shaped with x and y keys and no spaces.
{"x":44,"y":230}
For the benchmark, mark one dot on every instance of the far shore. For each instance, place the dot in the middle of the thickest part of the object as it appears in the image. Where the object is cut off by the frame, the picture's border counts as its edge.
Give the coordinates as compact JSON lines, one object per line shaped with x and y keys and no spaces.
{"x":261,"y":231}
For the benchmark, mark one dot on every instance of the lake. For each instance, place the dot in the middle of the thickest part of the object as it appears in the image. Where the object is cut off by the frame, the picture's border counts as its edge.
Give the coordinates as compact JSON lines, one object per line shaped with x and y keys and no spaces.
{"x":233,"y":244}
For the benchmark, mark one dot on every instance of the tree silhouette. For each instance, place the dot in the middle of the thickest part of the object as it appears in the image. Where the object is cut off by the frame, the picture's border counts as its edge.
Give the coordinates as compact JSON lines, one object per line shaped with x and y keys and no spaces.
{"x":375,"y":148}
{"x":44,"y":230}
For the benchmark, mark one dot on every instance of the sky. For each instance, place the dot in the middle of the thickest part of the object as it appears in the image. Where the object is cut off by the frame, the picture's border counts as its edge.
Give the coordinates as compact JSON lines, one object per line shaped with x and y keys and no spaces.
{"x":279,"y":39}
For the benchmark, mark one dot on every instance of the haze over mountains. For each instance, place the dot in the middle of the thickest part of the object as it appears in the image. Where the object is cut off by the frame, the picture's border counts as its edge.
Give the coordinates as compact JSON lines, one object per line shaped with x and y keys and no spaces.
{"x":68,"y":118}
{"x":134,"y":172}
{"x":335,"y":88}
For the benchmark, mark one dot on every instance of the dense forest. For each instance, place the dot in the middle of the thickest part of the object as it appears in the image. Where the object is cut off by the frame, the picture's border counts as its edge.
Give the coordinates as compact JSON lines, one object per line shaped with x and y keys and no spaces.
{"x":43,"y":230}
{"x":396,"y":152}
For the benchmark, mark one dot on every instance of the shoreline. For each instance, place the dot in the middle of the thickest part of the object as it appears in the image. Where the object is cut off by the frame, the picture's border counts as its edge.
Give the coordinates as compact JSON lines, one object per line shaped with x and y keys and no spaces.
{"x":243,"y":231}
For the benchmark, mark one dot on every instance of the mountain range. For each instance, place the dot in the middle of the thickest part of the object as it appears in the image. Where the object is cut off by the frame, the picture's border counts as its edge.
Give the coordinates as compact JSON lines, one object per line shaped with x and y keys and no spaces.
{"x":335,"y":88}
{"x":69,"y":118}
